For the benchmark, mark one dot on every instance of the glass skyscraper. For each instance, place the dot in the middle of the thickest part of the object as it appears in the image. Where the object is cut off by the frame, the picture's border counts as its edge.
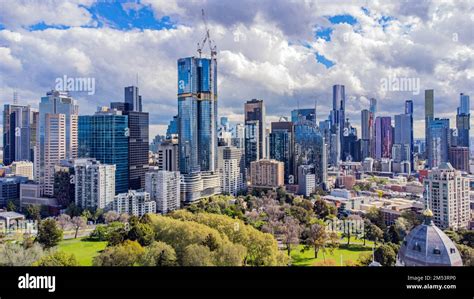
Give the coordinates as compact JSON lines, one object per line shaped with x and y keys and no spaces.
{"x":463,"y":119}
{"x":310,"y":149}
{"x":281,"y":146}
{"x":438,"y":142}
{"x":305,"y":114}
{"x":197,"y":114}
{"x":105,"y":136}
{"x":383,"y":137}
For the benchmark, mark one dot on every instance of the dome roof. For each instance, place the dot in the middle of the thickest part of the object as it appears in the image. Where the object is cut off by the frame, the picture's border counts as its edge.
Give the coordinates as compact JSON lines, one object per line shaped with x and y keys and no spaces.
{"x":427,"y":245}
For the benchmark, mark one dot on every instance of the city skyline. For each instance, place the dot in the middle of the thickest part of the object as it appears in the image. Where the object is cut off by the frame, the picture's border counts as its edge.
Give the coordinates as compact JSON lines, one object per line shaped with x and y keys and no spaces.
{"x":298,"y":60}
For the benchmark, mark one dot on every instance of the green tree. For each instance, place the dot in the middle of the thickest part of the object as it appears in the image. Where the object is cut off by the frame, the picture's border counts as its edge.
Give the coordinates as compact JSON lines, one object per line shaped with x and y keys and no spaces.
{"x":11,"y":206}
{"x":467,"y":254}
{"x":159,"y":254}
{"x":210,"y":242}
{"x":467,"y":237}
{"x":127,"y":253}
{"x":96,"y":215}
{"x":374,"y":233}
{"x":197,"y":255}
{"x":385,"y":255}
{"x":73,"y":210}
{"x":413,"y":218}
{"x":33,"y":212}
{"x":317,"y":237}
{"x":141,"y":232}
{"x":49,"y":233}
{"x":376,"y":217}
{"x":322,"y":208}
{"x":58,"y":258}
{"x":14,"y":254}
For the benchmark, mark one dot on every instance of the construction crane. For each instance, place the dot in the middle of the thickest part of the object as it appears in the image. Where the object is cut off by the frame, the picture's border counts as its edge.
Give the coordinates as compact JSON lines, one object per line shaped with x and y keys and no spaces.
{"x":207,"y":38}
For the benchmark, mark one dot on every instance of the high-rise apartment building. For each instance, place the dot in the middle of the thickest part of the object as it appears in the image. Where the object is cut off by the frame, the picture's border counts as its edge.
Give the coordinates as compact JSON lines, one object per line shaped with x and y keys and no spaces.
{"x":447,"y":196}
{"x":266,"y":174}
{"x":23,"y":168}
{"x":231,"y":169}
{"x":164,"y":188}
{"x":94,"y":184}
{"x":459,"y":158}
{"x":54,"y":148}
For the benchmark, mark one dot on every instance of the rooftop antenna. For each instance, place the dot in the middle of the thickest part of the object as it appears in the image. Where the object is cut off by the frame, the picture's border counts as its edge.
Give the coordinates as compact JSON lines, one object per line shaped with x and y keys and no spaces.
{"x":15,"y":97}
{"x":207,"y":38}
{"x":137,"y":79}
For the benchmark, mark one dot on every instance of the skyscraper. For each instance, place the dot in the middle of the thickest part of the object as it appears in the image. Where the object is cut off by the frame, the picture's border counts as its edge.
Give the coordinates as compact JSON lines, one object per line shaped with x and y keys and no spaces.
{"x":308,"y":114}
{"x":310,"y":149}
{"x":404,"y":136}
{"x":438,"y":142}
{"x":54,"y":103}
{"x":197,"y":119}
{"x":252,"y":144}
{"x":138,"y":130}
{"x":463,"y":119}
{"x":105,"y":136}
{"x":133,"y":98}
{"x":383,"y":137}
{"x":429,"y":116}
{"x":367,"y":126}
{"x":255,"y":112}
{"x":338,"y":117}
{"x":19,"y":133}
{"x":282,"y":146}
{"x":54,"y":148}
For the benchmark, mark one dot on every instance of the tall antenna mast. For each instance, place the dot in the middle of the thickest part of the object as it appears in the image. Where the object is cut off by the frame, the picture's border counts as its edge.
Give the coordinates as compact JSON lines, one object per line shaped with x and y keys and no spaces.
{"x":15,"y":97}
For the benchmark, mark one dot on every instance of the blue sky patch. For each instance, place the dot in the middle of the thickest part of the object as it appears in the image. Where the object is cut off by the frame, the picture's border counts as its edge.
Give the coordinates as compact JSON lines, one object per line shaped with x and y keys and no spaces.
{"x":43,"y":26}
{"x":339,"y":19}
{"x":323,"y":60}
{"x":324,"y":33}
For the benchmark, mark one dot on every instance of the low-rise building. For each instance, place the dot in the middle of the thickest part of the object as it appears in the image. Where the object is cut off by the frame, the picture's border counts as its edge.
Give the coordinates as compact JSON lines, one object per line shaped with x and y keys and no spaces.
{"x":134,"y":203}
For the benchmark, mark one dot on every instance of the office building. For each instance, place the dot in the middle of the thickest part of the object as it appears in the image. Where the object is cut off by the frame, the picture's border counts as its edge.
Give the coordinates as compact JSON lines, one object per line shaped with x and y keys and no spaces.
{"x":308,"y":114}
{"x":438,"y":142}
{"x":133,"y":99}
{"x":429,"y":116}
{"x":19,"y":133}
{"x":167,"y":152}
{"x":94,"y":184}
{"x":164,"y":188}
{"x":337,"y":117}
{"x":383,"y":137}
{"x":282,"y":146}
{"x":57,"y":136}
{"x":463,"y":119}
{"x":447,"y":196}
{"x":367,"y":126}
{"x":459,"y":158}
{"x":23,"y":168}
{"x":134,"y":203}
{"x":104,"y":136}
{"x":10,"y":189}
{"x":252,"y":142}
{"x":255,"y":114}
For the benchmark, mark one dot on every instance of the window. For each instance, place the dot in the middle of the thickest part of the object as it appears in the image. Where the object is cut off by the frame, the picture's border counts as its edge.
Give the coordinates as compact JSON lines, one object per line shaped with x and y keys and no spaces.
{"x":436,"y":251}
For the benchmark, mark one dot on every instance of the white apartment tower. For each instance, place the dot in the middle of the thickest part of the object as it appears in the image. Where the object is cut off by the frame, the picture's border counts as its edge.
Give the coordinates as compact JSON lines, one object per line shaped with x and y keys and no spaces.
{"x":447,"y":196}
{"x":94,"y":184}
{"x":164,"y":188}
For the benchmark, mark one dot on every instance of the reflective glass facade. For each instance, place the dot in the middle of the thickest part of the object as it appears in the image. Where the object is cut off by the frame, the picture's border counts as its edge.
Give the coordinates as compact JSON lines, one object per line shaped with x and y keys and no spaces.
{"x":105,"y":138}
{"x":310,"y":149}
{"x":197,"y":114}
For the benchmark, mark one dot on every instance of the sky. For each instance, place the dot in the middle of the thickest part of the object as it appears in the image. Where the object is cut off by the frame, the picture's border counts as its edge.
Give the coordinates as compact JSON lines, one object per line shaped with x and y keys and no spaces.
{"x":288,"y":53}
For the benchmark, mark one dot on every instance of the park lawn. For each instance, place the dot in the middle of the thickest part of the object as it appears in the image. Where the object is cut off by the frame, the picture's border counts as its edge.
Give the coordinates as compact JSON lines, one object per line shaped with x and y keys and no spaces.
{"x":349,"y":254}
{"x":84,"y":250}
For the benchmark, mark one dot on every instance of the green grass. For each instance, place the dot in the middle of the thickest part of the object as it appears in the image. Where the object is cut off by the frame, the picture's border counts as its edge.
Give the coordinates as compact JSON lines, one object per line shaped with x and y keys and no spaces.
{"x":84,"y":250}
{"x":349,"y":253}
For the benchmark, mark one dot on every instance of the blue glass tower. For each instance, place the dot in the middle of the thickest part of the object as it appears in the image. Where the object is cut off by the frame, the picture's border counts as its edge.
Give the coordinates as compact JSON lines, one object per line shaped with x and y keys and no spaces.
{"x":197,"y":114}
{"x":104,"y":136}
{"x":463,"y":119}
{"x":438,"y":142}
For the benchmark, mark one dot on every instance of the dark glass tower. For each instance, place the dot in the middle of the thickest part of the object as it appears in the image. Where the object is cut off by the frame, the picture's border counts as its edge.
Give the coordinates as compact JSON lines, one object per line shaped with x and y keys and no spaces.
{"x":281,"y":146}
{"x":197,"y":114}
{"x":104,"y":136}
{"x":463,"y":119}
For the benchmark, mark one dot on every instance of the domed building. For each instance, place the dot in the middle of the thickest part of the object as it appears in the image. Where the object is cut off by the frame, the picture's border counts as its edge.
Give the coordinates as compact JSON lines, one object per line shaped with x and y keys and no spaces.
{"x":427,"y":245}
